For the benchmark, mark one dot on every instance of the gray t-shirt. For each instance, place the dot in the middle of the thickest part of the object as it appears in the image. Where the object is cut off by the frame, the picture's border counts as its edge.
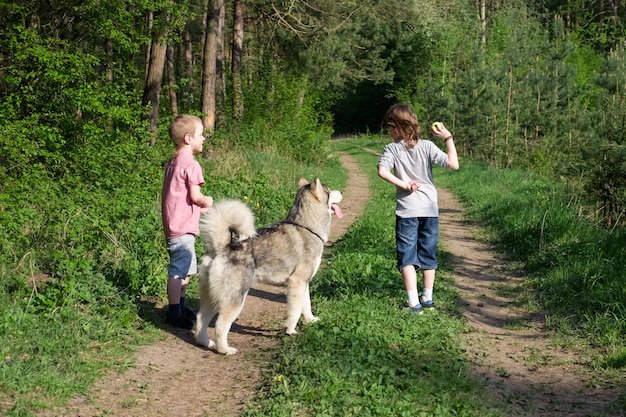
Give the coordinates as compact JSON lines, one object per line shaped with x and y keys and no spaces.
{"x":415,"y":164}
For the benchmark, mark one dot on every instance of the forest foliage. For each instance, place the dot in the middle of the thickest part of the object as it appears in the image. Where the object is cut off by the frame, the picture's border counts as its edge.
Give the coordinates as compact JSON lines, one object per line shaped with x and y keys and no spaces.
{"x":538,"y":85}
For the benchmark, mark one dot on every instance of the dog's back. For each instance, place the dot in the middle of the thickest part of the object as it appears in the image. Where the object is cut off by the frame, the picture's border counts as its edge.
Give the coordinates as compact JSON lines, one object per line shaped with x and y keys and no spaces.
{"x":282,"y":248}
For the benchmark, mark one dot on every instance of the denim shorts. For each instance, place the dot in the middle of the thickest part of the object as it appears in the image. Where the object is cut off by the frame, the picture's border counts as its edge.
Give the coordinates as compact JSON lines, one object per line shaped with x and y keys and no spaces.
{"x":416,"y":242}
{"x":182,"y":250}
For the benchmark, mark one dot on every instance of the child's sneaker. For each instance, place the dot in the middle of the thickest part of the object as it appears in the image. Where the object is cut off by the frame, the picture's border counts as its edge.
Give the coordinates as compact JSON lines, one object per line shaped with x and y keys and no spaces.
{"x":181,"y":322}
{"x":427,"y":304}
{"x":417,"y":309}
{"x":189,"y":313}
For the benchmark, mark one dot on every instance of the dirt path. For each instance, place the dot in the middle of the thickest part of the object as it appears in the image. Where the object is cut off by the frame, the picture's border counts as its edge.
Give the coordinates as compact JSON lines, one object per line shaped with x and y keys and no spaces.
{"x":508,"y":347}
{"x":175,"y":377}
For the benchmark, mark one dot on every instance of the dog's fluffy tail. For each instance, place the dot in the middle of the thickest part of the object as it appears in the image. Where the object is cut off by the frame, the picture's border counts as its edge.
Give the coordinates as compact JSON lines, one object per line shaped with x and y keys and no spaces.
{"x":223,"y":219}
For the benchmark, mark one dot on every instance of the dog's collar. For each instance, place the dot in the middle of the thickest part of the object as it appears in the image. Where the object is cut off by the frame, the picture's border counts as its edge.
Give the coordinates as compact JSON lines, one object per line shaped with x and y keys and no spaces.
{"x":309,"y":230}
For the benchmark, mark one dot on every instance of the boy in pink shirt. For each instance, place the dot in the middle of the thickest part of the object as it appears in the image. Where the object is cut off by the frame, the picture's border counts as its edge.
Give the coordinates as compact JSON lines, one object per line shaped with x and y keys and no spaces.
{"x":182,"y":202}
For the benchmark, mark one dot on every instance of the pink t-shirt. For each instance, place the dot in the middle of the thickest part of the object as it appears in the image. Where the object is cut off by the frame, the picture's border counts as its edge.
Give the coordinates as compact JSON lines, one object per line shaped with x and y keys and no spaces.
{"x":180,"y":215}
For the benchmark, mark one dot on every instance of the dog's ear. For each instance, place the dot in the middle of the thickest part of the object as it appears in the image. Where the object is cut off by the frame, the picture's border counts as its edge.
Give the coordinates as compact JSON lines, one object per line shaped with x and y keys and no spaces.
{"x":303,"y":181}
{"x":317,"y":188}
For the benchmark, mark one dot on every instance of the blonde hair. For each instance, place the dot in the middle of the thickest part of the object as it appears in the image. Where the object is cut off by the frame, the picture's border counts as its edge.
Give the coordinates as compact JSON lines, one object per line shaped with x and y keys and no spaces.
{"x":182,"y":125}
{"x":403,"y":120}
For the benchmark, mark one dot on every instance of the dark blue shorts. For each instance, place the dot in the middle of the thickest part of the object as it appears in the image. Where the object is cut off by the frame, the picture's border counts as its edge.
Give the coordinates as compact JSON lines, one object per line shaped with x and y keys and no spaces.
{"x":182,"y":252}
{"x":416,"y":242}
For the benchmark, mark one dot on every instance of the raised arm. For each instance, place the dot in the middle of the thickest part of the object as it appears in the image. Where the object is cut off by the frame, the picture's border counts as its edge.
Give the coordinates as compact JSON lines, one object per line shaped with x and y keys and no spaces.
{"x":438,"y":129}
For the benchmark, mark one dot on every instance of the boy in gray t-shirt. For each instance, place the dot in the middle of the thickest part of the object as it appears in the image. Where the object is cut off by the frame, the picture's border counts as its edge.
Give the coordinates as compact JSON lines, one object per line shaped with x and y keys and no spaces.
{"x":417,"y":213}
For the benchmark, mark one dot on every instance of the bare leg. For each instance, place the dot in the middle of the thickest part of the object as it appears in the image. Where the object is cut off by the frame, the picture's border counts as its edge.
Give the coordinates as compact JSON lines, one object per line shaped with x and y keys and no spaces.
{"x":428,"y":276}
{"x":183,"y":287}
{"x":174,"y":289}
{"x":409,"y":276}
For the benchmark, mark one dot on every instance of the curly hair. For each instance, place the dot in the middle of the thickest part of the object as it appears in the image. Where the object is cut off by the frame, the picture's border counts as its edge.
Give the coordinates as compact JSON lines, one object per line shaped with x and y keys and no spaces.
{"x":403,"y":121}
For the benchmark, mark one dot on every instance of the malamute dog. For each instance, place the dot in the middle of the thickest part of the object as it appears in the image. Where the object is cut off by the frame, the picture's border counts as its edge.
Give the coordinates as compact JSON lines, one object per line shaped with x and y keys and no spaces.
{"x":236,"y":255}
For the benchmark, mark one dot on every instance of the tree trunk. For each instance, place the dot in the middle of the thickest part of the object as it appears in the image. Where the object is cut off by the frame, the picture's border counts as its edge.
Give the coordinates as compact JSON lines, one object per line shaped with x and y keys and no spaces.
{"x":220,"y":82}
{"x":152,"y":87}
{"x":209,"y":73}
{"x":171,"y":80}
{"x":150,"y":24}
{"x":601,"y":12}
{"x":483,"y":23}
{"x":237,"y":55}
{"x":187,"y":89}
{"x":108,"y":46}
{"x":569,"y":16}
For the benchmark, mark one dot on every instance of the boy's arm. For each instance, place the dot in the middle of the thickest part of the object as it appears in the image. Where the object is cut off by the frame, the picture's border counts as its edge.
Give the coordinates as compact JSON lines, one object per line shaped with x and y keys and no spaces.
{"x":444,"y":133}
{"x":384,"y":173}
{"x":453,"y":158}
{"x":198,"y":198}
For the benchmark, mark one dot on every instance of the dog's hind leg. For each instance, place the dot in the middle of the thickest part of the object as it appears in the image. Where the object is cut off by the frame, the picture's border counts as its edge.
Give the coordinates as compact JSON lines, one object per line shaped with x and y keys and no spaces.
{"x":227,"y":315}
{"x":203,"y":318}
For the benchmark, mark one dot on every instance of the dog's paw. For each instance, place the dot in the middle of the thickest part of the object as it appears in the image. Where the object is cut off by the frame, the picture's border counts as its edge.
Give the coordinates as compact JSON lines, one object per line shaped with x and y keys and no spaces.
{"x":228,"y":351}
{"x":202,"y":340}
{"x":312,"y":319}
{"x":291,"y":331}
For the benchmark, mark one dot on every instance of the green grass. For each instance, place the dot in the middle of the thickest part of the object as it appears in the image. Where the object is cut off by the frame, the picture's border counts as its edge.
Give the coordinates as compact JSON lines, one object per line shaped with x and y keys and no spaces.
{"x":51,"y":354}
{"x":84,"y":269}
{"x":365,"y":357}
